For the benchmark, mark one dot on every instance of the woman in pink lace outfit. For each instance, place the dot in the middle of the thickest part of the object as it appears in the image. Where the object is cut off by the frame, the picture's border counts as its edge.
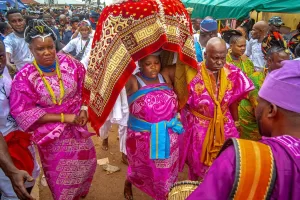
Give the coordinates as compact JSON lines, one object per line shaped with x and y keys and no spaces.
{"x":46,"y":101}
{"x":153,"y":128}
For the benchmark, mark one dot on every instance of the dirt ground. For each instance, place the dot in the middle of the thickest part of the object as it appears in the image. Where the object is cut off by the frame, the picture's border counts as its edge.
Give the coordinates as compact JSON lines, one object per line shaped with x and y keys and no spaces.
{"x":104,"y":186}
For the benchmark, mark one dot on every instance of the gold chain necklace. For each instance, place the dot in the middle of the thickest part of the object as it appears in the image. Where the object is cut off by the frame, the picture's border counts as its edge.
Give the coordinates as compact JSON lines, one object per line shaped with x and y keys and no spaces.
{"x":48,"y":86}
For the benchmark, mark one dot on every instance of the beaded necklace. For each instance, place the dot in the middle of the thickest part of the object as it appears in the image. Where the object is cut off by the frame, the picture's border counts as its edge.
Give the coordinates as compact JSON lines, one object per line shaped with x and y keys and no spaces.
{"x":48,"y":69}
{"x":48,"y":86}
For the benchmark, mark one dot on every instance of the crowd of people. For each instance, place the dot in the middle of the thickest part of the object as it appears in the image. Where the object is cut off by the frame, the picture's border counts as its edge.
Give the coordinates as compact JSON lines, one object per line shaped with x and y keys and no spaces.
{"x":246,"y":86}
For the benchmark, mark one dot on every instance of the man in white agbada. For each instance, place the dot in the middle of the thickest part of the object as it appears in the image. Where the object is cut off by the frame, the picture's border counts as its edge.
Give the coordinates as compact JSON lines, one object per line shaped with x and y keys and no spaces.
{"x":8,"y":125}
{"x":119,"y":115}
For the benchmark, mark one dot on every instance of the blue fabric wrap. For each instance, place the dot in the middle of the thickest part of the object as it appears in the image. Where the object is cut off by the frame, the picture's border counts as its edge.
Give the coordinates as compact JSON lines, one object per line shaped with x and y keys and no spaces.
{"x":160,"y":139}
{"x":198,"y":52}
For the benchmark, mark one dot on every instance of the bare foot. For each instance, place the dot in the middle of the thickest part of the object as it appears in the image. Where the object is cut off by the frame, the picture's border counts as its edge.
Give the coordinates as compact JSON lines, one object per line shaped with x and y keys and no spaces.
{"x":128,"y":190}
{"x":83,"y":196}
{"x":105,"y":144}
{"x":124,"y":159}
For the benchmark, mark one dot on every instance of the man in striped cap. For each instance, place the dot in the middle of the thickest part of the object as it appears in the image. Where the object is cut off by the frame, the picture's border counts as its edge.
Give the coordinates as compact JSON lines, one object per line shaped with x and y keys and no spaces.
{"x":208,"y":30}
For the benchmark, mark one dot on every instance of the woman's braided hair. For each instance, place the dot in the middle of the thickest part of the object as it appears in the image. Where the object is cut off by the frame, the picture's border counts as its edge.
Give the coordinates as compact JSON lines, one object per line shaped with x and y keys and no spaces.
{"x":235,"y":38}
{"x":37,"y":27}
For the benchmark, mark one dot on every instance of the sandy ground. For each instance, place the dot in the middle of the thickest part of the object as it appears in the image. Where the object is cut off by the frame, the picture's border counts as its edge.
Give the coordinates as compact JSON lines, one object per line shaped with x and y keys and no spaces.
{"x":104,"y":186}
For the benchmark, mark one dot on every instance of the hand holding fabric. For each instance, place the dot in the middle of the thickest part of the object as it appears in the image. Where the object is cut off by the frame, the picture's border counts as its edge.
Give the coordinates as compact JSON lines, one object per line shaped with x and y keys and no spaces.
{"x":83,"y":118}
{"x":17,"y":179}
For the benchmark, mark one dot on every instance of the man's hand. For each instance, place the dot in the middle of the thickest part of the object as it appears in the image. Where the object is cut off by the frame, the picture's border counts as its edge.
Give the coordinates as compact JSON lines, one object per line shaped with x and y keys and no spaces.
{"x":17,"y":179}
{"x":83,"y":118}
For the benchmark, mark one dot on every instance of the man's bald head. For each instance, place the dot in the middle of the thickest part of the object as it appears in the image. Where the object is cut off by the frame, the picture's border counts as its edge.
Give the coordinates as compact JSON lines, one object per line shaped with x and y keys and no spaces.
{"x":260,"y":30}
{"x":264,"y":26}
{"x":215,"y":54}
{"x":216,"y":43}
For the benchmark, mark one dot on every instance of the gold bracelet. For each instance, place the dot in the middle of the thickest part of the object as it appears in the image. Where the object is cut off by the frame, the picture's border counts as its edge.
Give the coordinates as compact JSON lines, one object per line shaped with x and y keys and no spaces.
{"x":62,"y":117}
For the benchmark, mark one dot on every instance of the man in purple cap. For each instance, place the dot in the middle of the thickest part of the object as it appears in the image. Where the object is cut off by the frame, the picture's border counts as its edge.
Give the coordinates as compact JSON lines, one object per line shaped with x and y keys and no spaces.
{"x":278,"y":116}
{"x":208,"y":30}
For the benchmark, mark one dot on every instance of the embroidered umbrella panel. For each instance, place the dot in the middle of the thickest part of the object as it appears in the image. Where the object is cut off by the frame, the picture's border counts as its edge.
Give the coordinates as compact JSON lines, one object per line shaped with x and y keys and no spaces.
{"x":127,"y":32}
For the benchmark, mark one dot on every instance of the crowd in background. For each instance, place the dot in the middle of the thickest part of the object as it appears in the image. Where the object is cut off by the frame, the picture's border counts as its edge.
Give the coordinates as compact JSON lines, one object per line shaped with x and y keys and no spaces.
{"x":66,"y":23}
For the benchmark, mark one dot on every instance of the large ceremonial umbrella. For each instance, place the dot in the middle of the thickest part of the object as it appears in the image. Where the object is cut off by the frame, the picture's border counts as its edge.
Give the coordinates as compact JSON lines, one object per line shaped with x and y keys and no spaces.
{"x":127,"y":32}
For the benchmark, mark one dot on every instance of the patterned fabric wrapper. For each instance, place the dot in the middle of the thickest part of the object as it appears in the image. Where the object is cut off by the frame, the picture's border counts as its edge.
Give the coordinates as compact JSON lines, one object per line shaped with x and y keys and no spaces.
{"x":152,"y":176}
{"x":273,"y":39}
{"x":126,"y":33}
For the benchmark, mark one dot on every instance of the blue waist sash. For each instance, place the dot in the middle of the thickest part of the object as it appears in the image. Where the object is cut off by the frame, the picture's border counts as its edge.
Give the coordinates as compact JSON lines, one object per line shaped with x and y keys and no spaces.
{"x":160,"y":139}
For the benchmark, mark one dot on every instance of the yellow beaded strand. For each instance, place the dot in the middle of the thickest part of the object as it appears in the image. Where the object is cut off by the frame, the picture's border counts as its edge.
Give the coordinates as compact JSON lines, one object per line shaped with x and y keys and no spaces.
{"x":48,"y":86}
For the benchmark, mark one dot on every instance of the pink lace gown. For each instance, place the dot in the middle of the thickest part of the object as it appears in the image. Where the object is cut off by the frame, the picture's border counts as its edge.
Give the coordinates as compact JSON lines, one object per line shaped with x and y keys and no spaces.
{"x":196,"y":128}
{"x":67,"y":152}
{"x":154,"y":177}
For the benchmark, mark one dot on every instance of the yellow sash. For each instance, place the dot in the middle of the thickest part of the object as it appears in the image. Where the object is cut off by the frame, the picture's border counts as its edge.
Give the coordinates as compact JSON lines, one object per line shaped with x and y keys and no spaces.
{"x":255,"y":172}
{"x":215,"y":134}
{"x":214,"y":138}
{"x":183,"y":76}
